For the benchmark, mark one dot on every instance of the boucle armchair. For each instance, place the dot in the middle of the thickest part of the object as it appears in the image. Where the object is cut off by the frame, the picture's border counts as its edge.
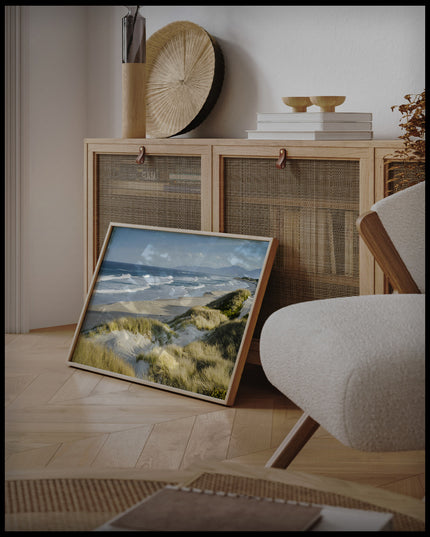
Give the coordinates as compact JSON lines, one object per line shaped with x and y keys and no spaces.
{"x":355,"y":365}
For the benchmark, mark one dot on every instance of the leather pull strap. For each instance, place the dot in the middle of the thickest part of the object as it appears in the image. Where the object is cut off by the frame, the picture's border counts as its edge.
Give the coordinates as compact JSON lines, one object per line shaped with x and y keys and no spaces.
{"x":141,"y":156}
{"x":280,"y":163}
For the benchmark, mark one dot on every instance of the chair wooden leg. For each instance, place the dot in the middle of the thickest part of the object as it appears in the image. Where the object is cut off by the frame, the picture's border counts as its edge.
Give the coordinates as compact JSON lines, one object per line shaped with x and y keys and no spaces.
{"x":293,"y":442}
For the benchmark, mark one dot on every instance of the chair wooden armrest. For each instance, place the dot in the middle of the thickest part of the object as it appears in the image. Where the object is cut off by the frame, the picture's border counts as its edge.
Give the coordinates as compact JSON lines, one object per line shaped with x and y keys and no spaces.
{"x":381,"y":246}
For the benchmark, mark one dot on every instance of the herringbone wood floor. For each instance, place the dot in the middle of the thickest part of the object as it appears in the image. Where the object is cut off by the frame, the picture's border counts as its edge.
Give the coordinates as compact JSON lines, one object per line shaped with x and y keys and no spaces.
{"x":58,"y":416}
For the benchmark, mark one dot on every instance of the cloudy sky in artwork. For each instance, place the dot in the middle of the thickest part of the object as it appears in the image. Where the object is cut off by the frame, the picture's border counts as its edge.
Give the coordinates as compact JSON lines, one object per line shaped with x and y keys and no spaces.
{"x":178,"y":249}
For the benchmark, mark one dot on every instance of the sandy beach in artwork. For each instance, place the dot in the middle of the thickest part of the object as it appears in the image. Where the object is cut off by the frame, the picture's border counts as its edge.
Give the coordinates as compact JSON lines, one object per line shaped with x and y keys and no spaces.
{"x":162,"y":309}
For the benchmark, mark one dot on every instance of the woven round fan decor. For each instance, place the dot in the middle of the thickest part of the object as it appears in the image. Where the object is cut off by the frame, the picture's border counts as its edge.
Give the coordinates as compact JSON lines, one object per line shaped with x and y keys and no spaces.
{"x":185,"y":71}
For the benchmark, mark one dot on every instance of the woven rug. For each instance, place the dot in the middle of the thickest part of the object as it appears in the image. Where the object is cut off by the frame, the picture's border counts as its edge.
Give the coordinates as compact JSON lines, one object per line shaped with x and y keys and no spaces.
{"x":85,"y":504}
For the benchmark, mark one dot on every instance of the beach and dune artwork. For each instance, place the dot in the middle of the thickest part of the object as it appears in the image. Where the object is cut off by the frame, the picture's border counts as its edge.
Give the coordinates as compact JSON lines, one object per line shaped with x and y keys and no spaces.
{"x":174,"y":309}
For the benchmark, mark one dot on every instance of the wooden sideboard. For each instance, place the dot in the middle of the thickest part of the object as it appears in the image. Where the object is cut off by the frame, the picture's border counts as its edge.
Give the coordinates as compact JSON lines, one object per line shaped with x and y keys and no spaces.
{"x":306,"y":194}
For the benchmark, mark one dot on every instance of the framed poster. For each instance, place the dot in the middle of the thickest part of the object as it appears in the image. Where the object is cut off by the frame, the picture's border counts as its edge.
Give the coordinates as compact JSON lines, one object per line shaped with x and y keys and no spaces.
{"x":174,"y":309}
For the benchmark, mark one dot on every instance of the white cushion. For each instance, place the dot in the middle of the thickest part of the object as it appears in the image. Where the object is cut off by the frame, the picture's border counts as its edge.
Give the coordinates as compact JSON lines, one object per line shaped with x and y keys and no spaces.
{"x":403,"y":217}
{"x":355,"y":365}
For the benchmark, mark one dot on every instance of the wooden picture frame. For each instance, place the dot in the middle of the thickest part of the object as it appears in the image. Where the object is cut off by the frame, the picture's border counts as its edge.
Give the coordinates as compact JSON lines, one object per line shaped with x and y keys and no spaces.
{"x":174,"y":309}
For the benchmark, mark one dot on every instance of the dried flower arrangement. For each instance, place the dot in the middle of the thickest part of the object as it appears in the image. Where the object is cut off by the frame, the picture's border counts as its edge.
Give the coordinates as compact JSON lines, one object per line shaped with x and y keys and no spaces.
{"x":409,"y":167}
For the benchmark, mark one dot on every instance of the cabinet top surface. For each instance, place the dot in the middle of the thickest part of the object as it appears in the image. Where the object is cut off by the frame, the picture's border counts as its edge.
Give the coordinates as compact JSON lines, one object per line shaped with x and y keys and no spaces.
{"x":245,"y":142}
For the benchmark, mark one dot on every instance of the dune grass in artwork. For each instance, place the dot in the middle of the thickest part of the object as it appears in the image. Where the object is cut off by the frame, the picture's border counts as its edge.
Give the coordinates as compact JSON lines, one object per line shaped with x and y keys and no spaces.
{"x":203,"y":365}
{"x":100,"y":357}
{"x":176,"y":322}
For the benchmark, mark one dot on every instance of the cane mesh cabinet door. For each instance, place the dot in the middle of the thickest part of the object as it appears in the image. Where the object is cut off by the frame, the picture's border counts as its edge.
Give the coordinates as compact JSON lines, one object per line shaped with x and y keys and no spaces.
{"x":393,"y":173}
{"x":310,"y":205}
{"x":169,"y":188}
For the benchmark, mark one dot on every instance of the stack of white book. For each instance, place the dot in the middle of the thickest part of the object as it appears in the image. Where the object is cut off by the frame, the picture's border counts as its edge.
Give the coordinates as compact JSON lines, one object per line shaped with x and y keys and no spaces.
{"x":313,"y":126}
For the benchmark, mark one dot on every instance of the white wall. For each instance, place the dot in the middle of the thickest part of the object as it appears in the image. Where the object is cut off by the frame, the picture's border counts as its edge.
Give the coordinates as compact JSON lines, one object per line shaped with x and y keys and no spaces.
{"x":56,"y":127}
{"x":372,"y":54}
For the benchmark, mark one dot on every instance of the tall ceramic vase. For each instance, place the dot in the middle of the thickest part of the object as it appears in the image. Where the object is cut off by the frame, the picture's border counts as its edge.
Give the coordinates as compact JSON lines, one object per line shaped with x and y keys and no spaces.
{"x":133,"y":74}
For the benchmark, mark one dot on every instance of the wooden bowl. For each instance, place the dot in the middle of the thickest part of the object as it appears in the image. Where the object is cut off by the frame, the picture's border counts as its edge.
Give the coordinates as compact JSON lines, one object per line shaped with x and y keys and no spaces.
{"x":327,"y":103}
{"x":185,"y":72}
{"x":298,"y":104}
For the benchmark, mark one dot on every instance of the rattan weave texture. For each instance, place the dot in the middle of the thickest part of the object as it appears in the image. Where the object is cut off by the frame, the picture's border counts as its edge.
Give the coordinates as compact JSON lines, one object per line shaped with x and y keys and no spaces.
{"x":311,"y":207}
{"x":83,"y":504}
{"x":164,"y":192}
